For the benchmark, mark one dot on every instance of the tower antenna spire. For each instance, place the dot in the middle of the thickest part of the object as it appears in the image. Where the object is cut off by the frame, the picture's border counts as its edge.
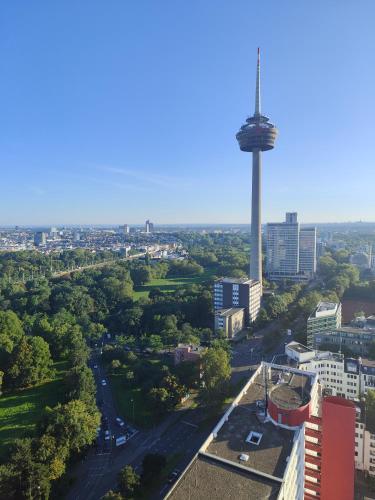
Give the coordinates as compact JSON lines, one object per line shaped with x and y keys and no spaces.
{"x":257,"y":90}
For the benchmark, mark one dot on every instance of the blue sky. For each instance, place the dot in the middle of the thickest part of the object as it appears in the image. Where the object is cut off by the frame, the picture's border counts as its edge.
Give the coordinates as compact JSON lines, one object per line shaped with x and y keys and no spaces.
{"x":117,"y":111}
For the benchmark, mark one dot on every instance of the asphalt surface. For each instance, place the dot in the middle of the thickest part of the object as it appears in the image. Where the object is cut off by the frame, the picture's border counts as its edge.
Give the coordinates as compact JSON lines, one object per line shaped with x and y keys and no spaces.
{"x":180,"y":434}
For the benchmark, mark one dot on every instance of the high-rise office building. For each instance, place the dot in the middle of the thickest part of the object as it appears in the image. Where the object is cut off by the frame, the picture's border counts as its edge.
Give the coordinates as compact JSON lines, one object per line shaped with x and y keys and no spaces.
{"x":40,"y":239}
{"x":255,"y":136}
{"x":125,"y":229}
{"x":291,"y":250}
{"x":307,"y":250}
{"x":149,"y":227}
{"x":282,"y":248}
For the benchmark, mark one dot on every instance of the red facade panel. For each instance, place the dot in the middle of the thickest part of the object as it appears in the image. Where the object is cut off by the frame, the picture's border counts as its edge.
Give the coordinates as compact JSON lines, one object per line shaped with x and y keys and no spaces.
{"x":338,"y":429}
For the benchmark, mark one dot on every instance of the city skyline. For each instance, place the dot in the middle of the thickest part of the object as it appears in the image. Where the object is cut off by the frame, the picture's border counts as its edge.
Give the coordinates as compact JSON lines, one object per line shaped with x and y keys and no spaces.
{"x":81,"y":99}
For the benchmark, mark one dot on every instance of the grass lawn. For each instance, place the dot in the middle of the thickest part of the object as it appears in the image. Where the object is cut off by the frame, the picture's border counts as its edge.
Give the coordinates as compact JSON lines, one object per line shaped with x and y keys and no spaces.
{"x":20,"y":410}
{"x":123,"y":396}
{"x":169,"y":285}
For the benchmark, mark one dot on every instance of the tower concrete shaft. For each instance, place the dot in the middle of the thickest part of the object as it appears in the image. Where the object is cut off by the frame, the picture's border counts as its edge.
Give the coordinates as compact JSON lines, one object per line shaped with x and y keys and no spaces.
{"x":256,"y":229}
{"x":255,"y":136}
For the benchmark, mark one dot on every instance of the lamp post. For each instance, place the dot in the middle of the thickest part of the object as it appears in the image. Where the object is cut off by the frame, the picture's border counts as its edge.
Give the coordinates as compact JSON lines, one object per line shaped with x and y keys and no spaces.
{"x":132,"y":401}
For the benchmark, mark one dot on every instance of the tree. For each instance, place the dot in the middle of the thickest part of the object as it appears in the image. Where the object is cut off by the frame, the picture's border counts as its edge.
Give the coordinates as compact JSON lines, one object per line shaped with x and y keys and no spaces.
{"x":176,"y":391}
{"x":140,"y":275}
{"x":115,"y":365}
{"x":11,"y":333}
{"x":112,"y":495}
{"x":31,"y":362}
{"x":277,"y":305}
{"x":158,"y":398}
{"x":128,"y":481}
{"x":80,"y":384}
{"x":370,"y":410}
{"x":216,"y":372}
{"x":72,"y":424}
{"x":154,"y":343}
{"x":24,"y":477}
{"x":371,"y":350}
{"x":152,"y":465}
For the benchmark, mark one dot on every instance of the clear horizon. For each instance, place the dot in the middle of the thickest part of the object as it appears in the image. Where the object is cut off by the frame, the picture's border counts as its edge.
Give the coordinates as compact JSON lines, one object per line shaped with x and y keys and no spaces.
{"x":129,"y":112}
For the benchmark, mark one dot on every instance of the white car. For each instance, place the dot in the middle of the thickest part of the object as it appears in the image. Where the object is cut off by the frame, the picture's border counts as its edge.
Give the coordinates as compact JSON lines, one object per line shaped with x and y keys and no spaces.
{"x":95,"y":366}
{"x":120,"y":422}
{"x":107,"y":435}
{"x":104,"y":382}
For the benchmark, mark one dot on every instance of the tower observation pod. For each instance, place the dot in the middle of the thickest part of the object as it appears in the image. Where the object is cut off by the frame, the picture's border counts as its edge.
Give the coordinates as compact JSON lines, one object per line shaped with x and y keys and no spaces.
{"x":255,"y":136}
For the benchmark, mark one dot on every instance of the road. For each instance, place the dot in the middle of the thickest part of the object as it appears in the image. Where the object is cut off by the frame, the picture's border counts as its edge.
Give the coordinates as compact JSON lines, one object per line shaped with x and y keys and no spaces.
{"x":180,"y":434}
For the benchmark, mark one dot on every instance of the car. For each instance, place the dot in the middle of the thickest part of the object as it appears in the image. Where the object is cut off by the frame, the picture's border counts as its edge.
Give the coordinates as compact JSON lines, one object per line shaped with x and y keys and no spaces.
{"x":120,"y":422}
{"x":95,"y":366}
{"x":173,"y":476}
{"x":107,"y":435}
{"x":104,"y":382}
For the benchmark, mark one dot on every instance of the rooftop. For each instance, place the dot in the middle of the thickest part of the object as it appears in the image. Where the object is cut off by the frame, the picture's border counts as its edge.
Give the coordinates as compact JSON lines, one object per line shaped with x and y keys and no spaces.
{"x":229,"y":312}
{"x":270,"y":455}
{"x":296,"y":346}
{"x":208,"y":478}
{"x":325,"y":309}
{"x":237,"y":281}
{"x":353,"y":329}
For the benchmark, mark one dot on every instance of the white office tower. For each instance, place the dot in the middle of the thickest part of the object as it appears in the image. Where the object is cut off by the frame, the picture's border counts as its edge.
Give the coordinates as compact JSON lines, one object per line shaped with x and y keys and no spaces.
{"x":291,"y":250}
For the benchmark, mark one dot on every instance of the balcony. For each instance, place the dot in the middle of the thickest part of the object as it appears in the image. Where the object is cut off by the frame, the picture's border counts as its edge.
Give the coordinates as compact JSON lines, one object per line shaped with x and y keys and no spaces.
{"x":313,"y":433}
{"x":311,"y":460}
{"x":313,"y":447}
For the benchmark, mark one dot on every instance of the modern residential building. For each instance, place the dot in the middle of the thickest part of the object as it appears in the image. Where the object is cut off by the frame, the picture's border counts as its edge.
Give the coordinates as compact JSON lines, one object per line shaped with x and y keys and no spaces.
{"x":40,"y":239}
{"x":255,"y":136}
{"x":238,"y":293}
{"x":325,"y":318}
{"x":125,"y":229}
{"x":291,"y":250}
{"x":280,"y":439}
{"x":231,"y":320}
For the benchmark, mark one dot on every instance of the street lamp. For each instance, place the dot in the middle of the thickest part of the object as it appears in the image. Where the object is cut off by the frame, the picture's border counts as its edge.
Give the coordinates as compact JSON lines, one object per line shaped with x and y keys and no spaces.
{"x":132,"y":401}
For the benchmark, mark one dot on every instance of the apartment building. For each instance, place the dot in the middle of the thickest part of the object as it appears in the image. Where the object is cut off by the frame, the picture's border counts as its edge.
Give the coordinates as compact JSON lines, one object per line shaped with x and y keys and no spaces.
{"x":238,"y":293}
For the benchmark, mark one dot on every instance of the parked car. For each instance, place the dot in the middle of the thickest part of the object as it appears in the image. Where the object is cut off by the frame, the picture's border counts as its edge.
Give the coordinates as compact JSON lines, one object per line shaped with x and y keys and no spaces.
{"x":107,"y":435}
{"x":173,"y":476}
{"x":104,"y":382}
{"x":120,"y":422}
{"x":95,"y":366}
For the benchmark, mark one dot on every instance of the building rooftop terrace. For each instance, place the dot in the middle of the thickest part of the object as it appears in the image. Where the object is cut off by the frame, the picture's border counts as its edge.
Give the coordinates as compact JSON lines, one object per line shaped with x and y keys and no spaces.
{"x":270,"y":455}
{"x":207,"y":478}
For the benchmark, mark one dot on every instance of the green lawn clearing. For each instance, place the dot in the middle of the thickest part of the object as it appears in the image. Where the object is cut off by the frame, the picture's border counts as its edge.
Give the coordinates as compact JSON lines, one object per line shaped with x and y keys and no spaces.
{"x":21,"y":410}
{"x":169,"y":285}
